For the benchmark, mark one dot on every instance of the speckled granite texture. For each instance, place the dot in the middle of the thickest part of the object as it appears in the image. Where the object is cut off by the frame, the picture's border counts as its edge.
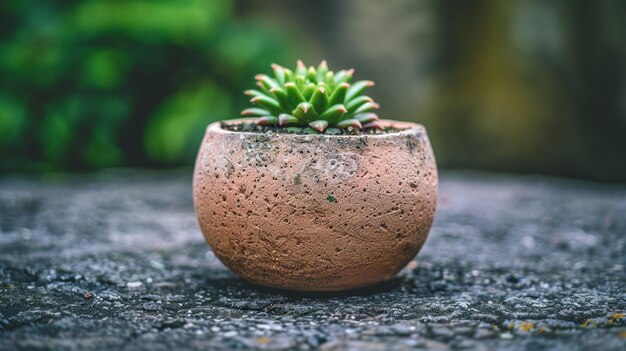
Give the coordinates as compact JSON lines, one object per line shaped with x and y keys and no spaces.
{"x":115,"y":260}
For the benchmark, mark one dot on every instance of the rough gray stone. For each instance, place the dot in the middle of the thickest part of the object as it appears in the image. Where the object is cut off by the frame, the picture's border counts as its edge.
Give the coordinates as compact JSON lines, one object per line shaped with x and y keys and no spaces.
{"x":115,"y":260}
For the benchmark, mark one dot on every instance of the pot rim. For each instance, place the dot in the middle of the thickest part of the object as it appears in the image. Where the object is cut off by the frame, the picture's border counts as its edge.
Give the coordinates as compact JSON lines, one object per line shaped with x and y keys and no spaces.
{"x":405,"y":127}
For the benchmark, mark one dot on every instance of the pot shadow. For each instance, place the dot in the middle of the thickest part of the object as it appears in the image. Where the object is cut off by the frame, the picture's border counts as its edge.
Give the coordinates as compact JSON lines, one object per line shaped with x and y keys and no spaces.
{"x":382,"y":287}
{"x":421,"y":282}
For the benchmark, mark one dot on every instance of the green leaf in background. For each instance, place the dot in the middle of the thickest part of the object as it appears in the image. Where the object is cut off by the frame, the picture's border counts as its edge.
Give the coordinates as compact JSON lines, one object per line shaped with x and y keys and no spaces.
{"x":181,"y":120}
{"x":107,"y":83}
{"x":101,"y":151}
{"x":56,"y":136}
{"x":104,"y":69}
{"x":32,"y":58}
{"x":182,"y":21}
{"x":12,"y":121}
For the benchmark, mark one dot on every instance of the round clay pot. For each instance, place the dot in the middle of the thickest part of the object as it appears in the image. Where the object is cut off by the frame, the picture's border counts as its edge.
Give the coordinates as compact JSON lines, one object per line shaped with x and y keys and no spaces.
{"x":315,"y":212}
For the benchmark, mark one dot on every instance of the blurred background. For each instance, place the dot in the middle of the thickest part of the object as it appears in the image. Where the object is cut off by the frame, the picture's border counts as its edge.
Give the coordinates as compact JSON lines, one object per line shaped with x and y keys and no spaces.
{"x":518,"y":86}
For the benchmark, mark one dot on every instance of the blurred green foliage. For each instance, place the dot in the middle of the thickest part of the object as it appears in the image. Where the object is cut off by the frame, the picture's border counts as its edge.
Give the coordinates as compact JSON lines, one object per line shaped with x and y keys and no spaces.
{"x":90,"y":84}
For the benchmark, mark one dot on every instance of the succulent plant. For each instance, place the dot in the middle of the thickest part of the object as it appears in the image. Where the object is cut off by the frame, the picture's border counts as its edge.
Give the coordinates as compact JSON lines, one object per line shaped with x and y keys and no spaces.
{"x":317,"y":97}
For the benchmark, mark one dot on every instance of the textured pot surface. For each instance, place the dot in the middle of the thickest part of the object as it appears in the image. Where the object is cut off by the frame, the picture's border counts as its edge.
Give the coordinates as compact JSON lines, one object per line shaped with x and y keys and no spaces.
{"x":315,"y":212}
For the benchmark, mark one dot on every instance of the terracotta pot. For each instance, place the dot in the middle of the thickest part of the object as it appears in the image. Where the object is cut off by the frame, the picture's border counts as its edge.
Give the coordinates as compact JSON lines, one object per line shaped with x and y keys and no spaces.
{"x":315,"y":212}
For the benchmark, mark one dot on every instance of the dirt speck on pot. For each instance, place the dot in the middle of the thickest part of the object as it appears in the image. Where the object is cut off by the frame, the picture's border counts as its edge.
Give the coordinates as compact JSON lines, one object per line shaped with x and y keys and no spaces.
{"x":297,"y":179}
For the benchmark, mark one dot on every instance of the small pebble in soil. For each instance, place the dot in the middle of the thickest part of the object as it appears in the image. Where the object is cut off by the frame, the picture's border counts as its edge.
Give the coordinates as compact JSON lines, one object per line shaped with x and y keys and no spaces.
{"x":134,"y":285}
{"x":151,"y":306}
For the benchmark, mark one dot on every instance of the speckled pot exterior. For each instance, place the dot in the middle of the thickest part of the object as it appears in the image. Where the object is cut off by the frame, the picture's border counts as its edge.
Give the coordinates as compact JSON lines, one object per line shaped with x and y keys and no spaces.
{"x":315,"y":212}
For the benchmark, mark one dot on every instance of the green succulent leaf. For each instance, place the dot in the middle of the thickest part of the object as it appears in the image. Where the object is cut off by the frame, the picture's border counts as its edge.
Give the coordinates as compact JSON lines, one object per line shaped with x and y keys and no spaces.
{"x":309,"y":88}
{"x":373,"y":125}
{"x":339,"y":95}
{"x":355,"y":103}
{"x":366,"y":107}
{"x":343,"y":76}
{"x":334,"y":113}
{"x":305,"y":112}
{"x":349,"y":123}
{"x":253,"y":93}
{"x":266,"y":102}
{"x":319,"y":125}
{"x":319,"y":99}
{"x":329,"y":79}
{"x":322,"y":69}
{"x":314,"y":98}
{"x":255,"y":112}
{"x":288,"y":75}
{"x":267,"y":120}
{"x":358,"y":88}
{"x":285,"y":119}
{"x":300,"y":82}
{"x":300,"y":68}
{"x":293,"y":94}
{"x":282,"y":98}
{"x":366,"y":117}
{"x":279,"y":73}
{"x":311,"y":74}
{"x":266,"y":82}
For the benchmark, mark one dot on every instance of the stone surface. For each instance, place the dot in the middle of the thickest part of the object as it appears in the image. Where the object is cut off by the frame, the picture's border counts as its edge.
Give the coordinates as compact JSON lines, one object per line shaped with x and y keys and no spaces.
{"x":115,"y":260}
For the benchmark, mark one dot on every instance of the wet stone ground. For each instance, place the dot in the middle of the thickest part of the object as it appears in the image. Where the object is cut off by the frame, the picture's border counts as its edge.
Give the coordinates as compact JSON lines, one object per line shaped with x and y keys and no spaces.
{"x":115,"y":260}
